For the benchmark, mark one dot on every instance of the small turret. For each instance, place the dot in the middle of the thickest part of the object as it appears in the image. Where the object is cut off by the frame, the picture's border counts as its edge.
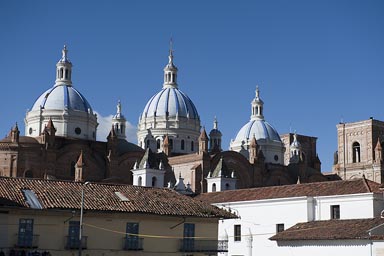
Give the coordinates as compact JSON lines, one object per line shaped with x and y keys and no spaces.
{"x":203,"y":142}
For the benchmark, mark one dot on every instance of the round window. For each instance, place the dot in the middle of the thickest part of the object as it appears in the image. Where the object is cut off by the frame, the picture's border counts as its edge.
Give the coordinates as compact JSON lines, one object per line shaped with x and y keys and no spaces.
{"x":276,"y":158}
{"x":77,"y":130}
{"x":30,"y":130}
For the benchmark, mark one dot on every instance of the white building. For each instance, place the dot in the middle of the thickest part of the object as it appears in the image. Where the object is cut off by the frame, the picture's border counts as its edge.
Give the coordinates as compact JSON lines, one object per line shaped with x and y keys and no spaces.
{"x":264,"y":212}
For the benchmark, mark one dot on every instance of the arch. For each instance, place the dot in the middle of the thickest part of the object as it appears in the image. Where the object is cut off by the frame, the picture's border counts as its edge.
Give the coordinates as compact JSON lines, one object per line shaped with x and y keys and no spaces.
{"x":192,"y":146}
{"x":158,"y":143}
{"x":356,"y":152}
{"x":154,"y":181}
{"x":66,"y":73}
{"x":182,"y":145}
{"x":140,"y":181}
{"x":73,"y":169}
{"x":28,"y":174}
{"x":214,"y":187}
{"x":61,"y":73}
{"x":227,"y":186}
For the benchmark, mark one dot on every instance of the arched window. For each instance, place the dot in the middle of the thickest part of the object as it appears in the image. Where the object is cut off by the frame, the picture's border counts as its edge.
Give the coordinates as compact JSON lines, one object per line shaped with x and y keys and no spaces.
{"x":154,"y":181}
{"x":139,"y":181}
{"x":61,"y":73}
{"x":28,"y":174}
{"x":72,"y":172}
{"x":158,"y":144}
{"x":182,"y":144}
{"x":66,"y":74}
{"x":227,"y":187}
{"x":192,"y":146}
{"x":171,"y":143}
{"x":356,"y":152}
{"x":214,"y":187}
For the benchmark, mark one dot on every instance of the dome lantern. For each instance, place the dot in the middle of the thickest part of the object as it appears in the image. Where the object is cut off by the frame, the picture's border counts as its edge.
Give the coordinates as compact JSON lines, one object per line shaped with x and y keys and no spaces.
{"x":170,"y":71}
{"x":64,"y":69}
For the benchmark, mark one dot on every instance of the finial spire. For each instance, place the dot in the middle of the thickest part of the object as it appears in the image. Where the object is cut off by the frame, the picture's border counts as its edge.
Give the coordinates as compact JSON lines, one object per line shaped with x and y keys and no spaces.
{"x":215,"y":123}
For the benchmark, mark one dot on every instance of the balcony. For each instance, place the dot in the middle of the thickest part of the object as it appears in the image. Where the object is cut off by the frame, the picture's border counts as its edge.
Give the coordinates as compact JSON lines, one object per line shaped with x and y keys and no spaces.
{"x":132,"y":244}
{"x":27,"y":241}
{"x":194,"y":245}
{"x":73,"y":242}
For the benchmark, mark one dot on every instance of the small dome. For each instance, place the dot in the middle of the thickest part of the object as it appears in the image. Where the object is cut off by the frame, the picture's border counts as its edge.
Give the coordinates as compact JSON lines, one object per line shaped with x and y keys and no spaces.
{"x":172,"y":102}
{"x":62,"y":97}
{"x":260,"y":128}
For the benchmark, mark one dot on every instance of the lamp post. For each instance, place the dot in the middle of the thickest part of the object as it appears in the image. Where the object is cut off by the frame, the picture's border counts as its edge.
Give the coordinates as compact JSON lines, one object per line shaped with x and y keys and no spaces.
{"x":81,"y":217}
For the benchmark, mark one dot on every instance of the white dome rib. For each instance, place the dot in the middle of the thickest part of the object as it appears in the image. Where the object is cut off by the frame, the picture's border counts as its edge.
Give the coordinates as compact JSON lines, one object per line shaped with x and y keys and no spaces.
{"x":62,"y":97}
{"x":171,"y":101}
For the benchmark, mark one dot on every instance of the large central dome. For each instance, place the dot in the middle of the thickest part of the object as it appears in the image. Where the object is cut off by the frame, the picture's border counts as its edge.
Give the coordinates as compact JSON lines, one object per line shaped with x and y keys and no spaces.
{"x":170,"y":102}
{"x":169,"y":112}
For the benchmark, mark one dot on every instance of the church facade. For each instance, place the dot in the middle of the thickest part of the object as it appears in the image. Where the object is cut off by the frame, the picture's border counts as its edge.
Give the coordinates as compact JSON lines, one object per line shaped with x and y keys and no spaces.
{"x":173,"y":150}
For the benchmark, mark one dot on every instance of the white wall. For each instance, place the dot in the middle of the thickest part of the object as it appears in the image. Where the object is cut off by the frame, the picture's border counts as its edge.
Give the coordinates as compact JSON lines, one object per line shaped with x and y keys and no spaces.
{"x":258,"y":220}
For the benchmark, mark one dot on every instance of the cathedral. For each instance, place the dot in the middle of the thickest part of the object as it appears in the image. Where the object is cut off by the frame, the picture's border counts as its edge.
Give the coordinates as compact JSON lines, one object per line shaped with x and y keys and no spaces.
{"x":172,"y":148}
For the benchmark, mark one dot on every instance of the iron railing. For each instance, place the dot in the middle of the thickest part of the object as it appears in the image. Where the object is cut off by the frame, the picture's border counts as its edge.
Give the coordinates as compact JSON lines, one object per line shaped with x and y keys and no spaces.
{"x":133,"y":243}
{"x":72,"y":242}
{"x":27,"y":241}
{"x":195,"y":245}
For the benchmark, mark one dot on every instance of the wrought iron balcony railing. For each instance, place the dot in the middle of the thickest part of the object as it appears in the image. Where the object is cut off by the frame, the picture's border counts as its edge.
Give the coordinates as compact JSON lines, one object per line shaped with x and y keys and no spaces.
{"x":72,"y":242}
{"x":195,"y":245}
{"x":132,"y":243}
{"x":27,"y":241}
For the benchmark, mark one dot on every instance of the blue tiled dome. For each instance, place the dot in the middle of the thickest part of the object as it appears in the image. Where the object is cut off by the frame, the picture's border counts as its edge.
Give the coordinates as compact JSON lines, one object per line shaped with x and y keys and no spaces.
{"x":260,"y":128}
{"x":62,"y":97}
{"x":172,"y":102}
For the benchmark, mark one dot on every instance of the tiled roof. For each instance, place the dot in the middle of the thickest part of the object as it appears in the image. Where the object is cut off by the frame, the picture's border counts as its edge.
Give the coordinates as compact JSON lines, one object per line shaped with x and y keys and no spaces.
{"x":331,"y":230}
{"x":101,"y":197}
{"x":328,"y":188}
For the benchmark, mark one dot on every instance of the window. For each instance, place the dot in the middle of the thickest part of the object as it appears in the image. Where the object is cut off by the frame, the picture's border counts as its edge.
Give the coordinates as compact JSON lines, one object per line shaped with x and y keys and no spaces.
{"x":189,"y":237}
{"x":158,"y":144}
{"x":73,"y":169}
{"x":182,"y":144}
{"x":140,"y":181}
{"x":25,"y":236}
{"x":279,"y":227}
{"x":237,"y":233}
{"x":335,"y":211}
{"x":73,"y":235}
{"x":356,"y":152}
{"x":132,"y":240}
{"x":171,"y":143}
{"x":28,"y":174}
{"x":214,"y":187}
{"x":77,"y":130}
{"x":192,"y":146}
{"x":154,"y":181}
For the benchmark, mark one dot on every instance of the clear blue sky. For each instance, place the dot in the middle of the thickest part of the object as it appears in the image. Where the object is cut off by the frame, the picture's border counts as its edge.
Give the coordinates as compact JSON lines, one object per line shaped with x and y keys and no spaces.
{"x":316,"y":62}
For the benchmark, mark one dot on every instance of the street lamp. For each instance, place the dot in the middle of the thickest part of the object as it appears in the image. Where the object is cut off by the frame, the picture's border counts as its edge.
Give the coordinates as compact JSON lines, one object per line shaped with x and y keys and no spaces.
{"x":81,"y":216}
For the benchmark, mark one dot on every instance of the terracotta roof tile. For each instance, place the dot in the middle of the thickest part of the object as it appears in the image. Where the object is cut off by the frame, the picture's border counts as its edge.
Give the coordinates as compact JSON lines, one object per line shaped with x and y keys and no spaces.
{"x":54,"y":194}
{"x":331,"y":230}
{"x":328,"y":188}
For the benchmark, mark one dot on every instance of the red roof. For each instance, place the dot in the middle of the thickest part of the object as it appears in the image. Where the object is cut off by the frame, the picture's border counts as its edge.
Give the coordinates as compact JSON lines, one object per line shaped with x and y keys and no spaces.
{"x":101,"y":197}
{"x":328,"y":188}
{"x":332,"y":230}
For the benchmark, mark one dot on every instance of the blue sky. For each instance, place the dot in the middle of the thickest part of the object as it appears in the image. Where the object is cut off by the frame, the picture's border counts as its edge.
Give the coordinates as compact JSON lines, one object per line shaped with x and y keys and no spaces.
{"x":316,"y":62}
